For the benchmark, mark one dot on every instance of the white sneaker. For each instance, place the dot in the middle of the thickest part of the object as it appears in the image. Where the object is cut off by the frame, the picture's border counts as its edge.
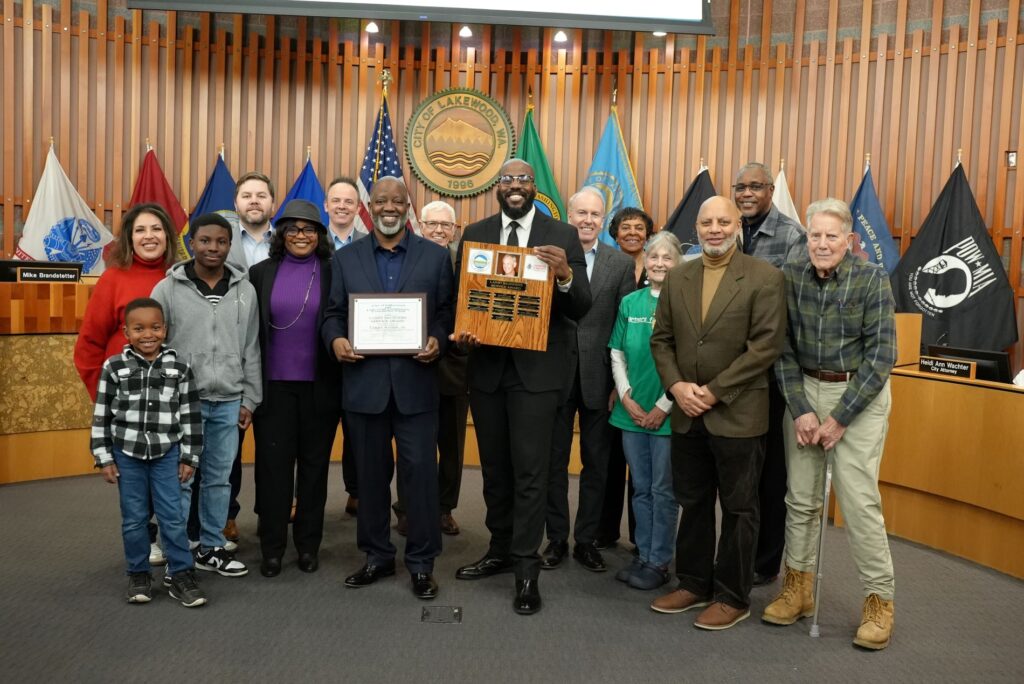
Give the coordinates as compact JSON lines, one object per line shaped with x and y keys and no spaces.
{"x":192,"y":545}
{"x":222,"y":562}
{"x":156,"y":554}
{"x":230,"y":545}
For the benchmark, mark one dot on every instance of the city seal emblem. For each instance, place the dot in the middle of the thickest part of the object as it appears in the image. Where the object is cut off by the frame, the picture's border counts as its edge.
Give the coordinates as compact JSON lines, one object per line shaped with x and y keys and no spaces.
{"x":457,"y":141}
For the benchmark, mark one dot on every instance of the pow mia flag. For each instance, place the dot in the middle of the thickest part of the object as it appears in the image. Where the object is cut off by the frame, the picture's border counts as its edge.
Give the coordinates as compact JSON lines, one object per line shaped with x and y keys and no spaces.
{"x":952,"y":274}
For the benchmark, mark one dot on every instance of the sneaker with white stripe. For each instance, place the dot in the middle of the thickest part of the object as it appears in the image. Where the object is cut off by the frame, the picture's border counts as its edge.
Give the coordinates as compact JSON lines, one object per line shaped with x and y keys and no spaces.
{"x":221,"y":561}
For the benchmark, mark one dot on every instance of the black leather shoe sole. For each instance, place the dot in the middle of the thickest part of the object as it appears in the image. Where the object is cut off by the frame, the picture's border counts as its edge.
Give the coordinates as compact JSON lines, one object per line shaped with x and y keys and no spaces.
{"x":368,"y":575}
{"x":270,"y":567}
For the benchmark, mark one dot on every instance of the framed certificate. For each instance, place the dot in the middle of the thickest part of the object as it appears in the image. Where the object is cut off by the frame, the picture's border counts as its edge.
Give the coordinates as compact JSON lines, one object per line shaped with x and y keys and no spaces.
{"x":387,"y":322}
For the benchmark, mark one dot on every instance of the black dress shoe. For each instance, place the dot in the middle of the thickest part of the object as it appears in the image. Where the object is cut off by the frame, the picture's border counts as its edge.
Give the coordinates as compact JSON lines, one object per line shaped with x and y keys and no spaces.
{"x":485,"y":567}
{"x":602,"y":544}
{"x":527,"y":601}
{"x":554,"y":554}
{"x":423,"y":585}
{"x":761,"y":580}
{"x":270,"y":567}
{"x":589,"y":557}
{"x":308,"y":562}
{"x":368,"y":574}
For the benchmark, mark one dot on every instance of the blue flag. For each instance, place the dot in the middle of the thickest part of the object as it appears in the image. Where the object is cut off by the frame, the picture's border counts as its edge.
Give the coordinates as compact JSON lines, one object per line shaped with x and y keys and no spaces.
{"x":876,"y":243}
{"x":306,"y":187}
{"x":611,"y":173}
{"x":218,"y":196}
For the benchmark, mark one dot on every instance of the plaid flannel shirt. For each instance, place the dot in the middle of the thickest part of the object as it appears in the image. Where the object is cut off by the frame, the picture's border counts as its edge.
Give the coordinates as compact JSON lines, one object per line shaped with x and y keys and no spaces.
{"x":845,"y":323}
{"x":145,"y":408}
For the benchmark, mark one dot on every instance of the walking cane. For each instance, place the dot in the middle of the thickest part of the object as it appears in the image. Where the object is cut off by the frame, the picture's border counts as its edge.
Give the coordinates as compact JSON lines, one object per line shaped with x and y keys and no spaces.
{"x":829,"y":455}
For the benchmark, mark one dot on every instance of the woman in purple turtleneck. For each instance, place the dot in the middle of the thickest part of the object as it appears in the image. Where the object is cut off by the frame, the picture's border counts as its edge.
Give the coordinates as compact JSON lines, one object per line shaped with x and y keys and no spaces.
{"x":294,"y":426}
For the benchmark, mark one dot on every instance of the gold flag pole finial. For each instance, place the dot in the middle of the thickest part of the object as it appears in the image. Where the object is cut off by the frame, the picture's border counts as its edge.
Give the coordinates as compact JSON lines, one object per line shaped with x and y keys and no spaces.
{"x":385,"y":79}
{"x":615,"y":96}
{"x":959,"y":153}
{"x":867,"y":160}
{"x":51,"y":142}
{"x":782,"y":164}
{"x":220,"y":150}
{"x":148,"y":146}
{"x":702,"y":162}
{"x":309,"y":152}
{"x":529,"y":96}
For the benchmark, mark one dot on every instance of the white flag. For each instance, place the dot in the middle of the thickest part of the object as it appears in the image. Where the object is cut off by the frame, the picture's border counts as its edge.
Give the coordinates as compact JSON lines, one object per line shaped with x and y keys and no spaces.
{"x":60,"y":225}
{"x":782,"y":200}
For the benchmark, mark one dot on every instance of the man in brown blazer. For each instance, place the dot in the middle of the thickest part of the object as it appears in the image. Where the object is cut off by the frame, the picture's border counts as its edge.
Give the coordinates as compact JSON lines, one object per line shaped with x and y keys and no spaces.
{"x":720,"y":324}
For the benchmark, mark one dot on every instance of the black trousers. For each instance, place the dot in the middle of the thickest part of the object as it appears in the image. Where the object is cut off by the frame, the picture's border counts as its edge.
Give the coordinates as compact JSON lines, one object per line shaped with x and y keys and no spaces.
{"x":771,"y":539}
{"x":596,"y":439}
{"x":293,"y":452}
{"x":349,"y":474}
{"x":608,"y":529}
{"x":514,"y":430}
{"x":705,"y":467}
{"x":416,"y":436}
{"x":451,"y":451}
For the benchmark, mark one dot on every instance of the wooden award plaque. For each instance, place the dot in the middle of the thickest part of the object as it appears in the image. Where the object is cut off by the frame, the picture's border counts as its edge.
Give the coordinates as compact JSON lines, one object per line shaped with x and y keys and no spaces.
{"x":505,"y":296}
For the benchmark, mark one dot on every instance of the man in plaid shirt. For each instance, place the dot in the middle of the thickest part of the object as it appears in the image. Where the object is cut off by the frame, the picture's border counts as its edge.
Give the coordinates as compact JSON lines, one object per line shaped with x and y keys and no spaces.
{"x":147,"y":438}
{"x":834,"y":373}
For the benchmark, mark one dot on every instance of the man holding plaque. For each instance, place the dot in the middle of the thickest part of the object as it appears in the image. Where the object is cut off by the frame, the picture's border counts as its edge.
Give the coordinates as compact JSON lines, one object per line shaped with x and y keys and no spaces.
{"x":515,"y":393}
{"x":387,"y":323}
{"x":611,"y":277}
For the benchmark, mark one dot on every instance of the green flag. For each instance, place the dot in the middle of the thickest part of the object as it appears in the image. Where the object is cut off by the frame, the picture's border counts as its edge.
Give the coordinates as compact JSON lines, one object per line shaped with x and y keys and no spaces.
{"x":548,"y":200}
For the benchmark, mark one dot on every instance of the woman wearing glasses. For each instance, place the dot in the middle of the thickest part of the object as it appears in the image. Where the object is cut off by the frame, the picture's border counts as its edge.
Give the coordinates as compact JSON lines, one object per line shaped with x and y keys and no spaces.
{"x":295,"y":424}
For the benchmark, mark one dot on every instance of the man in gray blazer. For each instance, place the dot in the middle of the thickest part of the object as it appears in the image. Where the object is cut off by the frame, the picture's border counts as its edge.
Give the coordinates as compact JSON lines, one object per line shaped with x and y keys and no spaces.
{"x":589,"y":376}
{"x":720,"y":325}
{"x":772,"y":236}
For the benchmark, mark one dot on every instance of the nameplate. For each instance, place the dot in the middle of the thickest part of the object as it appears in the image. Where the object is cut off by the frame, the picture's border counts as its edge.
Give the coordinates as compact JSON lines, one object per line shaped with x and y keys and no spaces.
{"x":948,"y":367}
{"x":48,"y":274}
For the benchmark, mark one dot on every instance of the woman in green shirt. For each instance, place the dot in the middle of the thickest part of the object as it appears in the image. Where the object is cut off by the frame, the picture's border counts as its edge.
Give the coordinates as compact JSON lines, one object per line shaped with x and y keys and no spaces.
{"x":641,"y":412}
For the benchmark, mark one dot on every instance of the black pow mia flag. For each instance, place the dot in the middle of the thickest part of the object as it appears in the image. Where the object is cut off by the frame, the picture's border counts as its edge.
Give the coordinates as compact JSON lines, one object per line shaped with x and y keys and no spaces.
{"x":683,"y":221}
{"x":952,"y":274}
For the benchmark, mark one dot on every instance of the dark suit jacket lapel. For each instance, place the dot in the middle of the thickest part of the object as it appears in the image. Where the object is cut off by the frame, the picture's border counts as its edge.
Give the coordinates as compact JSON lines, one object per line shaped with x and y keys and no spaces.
{"x":368,"y":260}
{"x":727,"y":290}
{"x":412,"y":254}
{"x":599,"y":274}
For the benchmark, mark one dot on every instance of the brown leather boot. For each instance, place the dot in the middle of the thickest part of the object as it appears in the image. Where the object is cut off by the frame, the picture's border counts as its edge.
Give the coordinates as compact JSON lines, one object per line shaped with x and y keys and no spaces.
{"x":876,"y":624}
{"x":795,"y":601}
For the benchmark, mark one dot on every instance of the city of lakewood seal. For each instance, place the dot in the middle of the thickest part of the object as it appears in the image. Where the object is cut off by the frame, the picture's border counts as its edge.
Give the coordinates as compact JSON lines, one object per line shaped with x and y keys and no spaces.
{"x":457,"y":141}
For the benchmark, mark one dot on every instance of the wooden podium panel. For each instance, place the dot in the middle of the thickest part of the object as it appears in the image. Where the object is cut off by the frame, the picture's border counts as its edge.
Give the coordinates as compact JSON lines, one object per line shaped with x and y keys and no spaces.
{"x":504,"y":296}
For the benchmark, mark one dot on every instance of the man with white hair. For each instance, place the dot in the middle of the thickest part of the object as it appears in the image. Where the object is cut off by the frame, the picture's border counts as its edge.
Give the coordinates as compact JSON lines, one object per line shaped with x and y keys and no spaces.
{"x":437,"y":223}
{"x":589,"y":378}
{"x":834,"y":373}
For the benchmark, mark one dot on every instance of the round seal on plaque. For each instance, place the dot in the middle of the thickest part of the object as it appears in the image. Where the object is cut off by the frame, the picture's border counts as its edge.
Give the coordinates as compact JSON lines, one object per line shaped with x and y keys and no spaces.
{"x":457,"y":141}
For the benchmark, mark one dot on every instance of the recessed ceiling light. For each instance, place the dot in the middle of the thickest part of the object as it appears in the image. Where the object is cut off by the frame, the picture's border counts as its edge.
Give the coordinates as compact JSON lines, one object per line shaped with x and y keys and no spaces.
{"x":560,"y":37}
{"x":660,"y":34}
{"x":465,"y":32}
{"x":372,"y":27}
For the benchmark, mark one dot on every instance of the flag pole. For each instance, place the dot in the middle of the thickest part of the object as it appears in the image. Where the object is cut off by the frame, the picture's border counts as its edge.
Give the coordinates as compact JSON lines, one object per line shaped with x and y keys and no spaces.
{"x":309,"y":152}
{"x":867,"y":161}
{"x":149,"y":148}
{"x":220,"y":150}
{"x":959,"y":153}
{"x":782,"y":164}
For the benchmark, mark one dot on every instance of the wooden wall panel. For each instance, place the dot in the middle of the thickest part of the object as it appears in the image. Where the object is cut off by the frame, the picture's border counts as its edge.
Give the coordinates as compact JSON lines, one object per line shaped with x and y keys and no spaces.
{"x":268,"y":90}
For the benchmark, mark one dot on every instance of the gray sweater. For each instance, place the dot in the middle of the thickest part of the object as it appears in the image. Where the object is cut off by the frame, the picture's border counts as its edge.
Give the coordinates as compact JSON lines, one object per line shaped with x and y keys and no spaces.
{"x":220,"y":343}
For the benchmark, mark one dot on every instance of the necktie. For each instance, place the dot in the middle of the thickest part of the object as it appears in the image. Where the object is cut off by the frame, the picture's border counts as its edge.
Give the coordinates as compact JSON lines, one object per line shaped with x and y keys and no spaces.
{"x":513,"y":234}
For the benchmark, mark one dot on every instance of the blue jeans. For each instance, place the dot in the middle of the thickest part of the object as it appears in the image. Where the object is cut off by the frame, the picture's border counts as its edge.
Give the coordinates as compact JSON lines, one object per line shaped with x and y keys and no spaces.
{"x":141,"y":481}
{"x":654,"y":503}
{"x":220,"y":442}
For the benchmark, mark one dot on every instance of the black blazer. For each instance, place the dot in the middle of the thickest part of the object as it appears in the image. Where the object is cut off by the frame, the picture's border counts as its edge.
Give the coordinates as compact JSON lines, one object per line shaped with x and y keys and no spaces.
{"x":370,"y":383}
{"x":538,"y":371}
{"x":327,"y":382}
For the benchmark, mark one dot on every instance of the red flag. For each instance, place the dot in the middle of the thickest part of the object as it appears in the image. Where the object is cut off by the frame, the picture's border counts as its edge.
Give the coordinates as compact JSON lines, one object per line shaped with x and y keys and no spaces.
{"x":152,"y":186}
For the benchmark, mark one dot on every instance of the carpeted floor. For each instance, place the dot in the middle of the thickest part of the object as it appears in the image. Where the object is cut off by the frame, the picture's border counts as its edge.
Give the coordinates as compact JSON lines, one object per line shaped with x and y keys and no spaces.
{"x":62,"y":617}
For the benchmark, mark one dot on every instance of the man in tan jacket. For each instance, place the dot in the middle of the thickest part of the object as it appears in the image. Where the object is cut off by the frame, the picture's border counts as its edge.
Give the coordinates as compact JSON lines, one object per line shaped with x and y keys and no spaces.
{"x":720,"y":325}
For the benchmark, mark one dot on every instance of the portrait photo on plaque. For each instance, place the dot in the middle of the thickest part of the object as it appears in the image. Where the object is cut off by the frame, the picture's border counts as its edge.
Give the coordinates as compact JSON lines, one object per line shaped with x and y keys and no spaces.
{"x":387,"y":323}
{"x":507,"y":265}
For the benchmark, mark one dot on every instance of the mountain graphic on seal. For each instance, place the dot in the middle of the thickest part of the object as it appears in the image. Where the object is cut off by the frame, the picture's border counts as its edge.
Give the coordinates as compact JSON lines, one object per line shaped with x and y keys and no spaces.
{"x":458,"y":148}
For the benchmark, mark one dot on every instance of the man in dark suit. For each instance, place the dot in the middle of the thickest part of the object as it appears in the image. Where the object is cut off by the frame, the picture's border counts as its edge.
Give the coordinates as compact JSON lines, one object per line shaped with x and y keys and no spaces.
{"x":611,"y":277}
{"x":720,"y":324}
{"x":514,"y":394}
{"x":393,"y":396}
{"x":770,"y":235}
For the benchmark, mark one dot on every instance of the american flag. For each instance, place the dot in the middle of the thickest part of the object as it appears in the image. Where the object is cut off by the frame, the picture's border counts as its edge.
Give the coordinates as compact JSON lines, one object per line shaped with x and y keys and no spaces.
{"x":381,"y":160}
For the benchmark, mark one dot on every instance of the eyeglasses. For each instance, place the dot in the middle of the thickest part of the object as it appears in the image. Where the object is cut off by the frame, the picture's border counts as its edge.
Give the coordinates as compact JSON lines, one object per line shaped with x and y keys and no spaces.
{"x":292,"y":231}
{"x":753,"y":187}
{"x":522,"y":179}
{"x":433,"y":225}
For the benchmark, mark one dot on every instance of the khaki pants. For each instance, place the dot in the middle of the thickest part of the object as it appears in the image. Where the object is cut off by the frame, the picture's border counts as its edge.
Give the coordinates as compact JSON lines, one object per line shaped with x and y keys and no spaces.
{"x":857,"y":458}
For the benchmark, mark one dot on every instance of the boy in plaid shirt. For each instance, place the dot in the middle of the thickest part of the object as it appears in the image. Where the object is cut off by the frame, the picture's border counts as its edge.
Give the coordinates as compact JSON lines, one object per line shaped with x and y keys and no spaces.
{"x":147,"y":438}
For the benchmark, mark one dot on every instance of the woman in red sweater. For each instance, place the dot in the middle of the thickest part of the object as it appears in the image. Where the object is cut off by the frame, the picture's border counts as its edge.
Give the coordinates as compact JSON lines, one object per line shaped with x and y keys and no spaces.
{"x":138,"y":261}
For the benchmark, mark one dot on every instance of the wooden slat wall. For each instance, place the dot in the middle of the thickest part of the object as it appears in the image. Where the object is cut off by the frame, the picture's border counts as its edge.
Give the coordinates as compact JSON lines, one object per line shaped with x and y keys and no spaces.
{"x":910,"y":98}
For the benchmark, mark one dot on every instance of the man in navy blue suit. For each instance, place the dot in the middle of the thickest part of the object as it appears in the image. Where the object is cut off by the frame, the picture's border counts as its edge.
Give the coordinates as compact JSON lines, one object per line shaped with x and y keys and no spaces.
{"x":393,"y":396}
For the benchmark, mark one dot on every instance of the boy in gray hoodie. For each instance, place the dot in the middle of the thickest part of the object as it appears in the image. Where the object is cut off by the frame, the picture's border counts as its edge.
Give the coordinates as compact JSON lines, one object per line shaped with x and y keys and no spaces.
{"x":213,"y":323}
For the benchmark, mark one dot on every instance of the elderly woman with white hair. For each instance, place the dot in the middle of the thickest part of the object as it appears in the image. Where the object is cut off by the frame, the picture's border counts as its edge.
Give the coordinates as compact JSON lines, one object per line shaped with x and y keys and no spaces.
{"x":641,"y":412}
